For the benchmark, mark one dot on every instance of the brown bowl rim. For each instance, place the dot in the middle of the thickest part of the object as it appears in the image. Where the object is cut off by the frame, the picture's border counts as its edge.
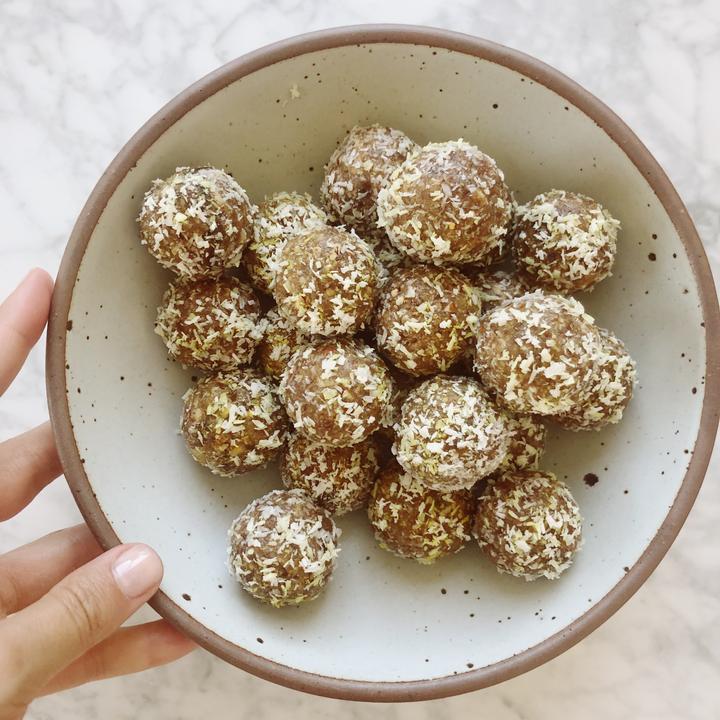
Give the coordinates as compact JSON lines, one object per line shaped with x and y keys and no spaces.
{"x":618,"y":132}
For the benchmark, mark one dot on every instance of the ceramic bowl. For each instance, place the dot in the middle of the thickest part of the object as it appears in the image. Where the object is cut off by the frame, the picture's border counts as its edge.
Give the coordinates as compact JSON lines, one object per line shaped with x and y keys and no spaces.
{"x":386,"y":629}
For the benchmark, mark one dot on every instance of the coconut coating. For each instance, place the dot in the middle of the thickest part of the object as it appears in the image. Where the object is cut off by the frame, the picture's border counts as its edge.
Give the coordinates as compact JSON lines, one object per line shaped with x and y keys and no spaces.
{"x":213,"y":324}
{"x":282,"y":548}
{"x":277,"y":218}
{"x":449,"y":434}
{"x":336,"y":478}
{"x":336,"y":391}
{"x":233,"y":422}
{"x":413,"y":521}
{"x":326,"y":281}
{"x":426,"y":318}
{"x":537,"y":353}
{"x":564,"y":242}
{"x":356,"y":172}
{"x":196,"y":222}
{"x":610,"y":390}
{"x":496,"y":286}
{"x":447,"y":203}
{"x":279,"y":343}
{"x":526,"y":436}
{"x":529,"y":525}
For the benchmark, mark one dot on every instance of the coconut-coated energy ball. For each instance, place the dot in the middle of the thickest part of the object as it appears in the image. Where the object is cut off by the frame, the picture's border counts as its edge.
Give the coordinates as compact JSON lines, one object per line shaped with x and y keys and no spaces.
{"x":196,"y":222}
{"x":233,"y":422}
{"x":277,"y":218}
{"x":564,"y":242}
{"x":610,"y":389}
{"x":356,"y":172}
{"x":413,"y":521}
{"x":326,"y":281}
{"x":426,"y":318}
{"x":279,"y":342}
{"x":529,"y":525}
{"x":496,"y":286}
{"x":336,"y":478}
{"x":282,"y":548}
{"x":526,"y":436}
{"x":336,"y":391}
{"x":447,"y":203}
{"x":449,"y":434}
{"x":210,"y":323}
{"x":536,"y":353}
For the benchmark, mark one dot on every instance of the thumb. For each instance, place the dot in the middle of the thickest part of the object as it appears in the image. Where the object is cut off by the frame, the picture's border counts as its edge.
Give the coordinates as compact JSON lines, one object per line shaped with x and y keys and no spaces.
{"x":79,"y":612}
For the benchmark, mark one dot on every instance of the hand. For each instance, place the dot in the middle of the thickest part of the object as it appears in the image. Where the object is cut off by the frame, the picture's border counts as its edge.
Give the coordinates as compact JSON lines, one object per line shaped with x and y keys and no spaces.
{"x":61,"y":599}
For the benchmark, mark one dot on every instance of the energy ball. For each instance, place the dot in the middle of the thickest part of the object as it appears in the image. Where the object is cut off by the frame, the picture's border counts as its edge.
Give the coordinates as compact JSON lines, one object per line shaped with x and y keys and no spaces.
{"x":447,"y":203}
{"x":610,"y":389}
{"x":278,"y":217}
{"x":537,"y":353}
{"x":233,"y":423}
{"x":496,"y":286}
{"x":326,"y":281}
{"x":529,"y":525}
{"x":564,"y":242}
{"x":413,"y":521}
{"x":336,"y":478}
{"x":279,"y":343}
{"x":426,"y":318}
{"x":526,"y":436}
{"x":336,"y":391}
{"x":282,"y":548}
{"x":356,"y":172}
{"x":449,"y":434}
{"x":213,"y":324}
{"x":196,"y":222}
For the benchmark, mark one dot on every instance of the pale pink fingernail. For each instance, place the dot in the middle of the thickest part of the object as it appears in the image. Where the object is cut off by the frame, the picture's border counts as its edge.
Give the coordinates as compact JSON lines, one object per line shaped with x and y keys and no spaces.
{"x":137,"y":571}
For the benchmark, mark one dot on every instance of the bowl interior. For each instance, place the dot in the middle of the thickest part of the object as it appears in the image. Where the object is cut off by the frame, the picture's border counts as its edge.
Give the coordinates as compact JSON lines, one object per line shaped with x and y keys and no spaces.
{"x":383,"y":619}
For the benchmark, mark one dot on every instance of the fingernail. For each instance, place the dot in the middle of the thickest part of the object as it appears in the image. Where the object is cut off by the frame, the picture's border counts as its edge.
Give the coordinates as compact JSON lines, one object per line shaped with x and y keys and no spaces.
{"x":137,"y":571}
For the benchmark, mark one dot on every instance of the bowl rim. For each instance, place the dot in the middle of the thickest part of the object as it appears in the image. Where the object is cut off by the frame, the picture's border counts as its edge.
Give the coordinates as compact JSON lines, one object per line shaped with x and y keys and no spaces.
{"x":618,"y":131}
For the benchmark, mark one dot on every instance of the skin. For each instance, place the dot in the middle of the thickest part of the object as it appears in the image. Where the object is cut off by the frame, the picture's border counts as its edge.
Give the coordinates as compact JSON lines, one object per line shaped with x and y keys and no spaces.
{"x":62,"y":600}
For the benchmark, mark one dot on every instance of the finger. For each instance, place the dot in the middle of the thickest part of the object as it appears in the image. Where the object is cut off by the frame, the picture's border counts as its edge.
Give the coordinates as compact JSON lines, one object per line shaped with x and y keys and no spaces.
{"x":129,"y":650}
{"x":28,"y":463}
{"x":75,"y":615}
{"x":22,"y":319}
{"x":27,"y":573}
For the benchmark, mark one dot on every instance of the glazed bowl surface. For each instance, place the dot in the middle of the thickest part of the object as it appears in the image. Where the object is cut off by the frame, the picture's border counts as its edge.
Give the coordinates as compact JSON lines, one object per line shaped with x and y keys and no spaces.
{"x":386,"y":629}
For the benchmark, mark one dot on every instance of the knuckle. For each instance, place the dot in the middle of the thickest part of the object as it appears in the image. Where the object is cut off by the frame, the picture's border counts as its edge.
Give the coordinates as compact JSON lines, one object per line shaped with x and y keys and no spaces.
{"x":82,"y":603}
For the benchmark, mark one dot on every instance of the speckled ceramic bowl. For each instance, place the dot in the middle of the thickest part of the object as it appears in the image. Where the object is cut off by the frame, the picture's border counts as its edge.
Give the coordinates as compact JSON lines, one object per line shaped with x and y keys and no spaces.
{"x":386,"y":629}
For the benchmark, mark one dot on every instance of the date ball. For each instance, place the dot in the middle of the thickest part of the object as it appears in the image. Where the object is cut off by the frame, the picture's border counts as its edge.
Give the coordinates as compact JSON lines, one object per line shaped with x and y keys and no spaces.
{"x":449,"y":434}
{"x":282,"y":548}
{"x":426,"y":318}
{"x":196,"y":222}
{"x":278,"y":217}
{"x":564,"y":242}
{"x":528,"y":524}
{"x":336,"y":391}
{"x":233,"y":422}
{"x":356,"y":172}
{"x":610,"y":390}
{"x":526,"y":436}
{"x":447,"y":203}
{"x":496,"y":286}
{"x":336,"y":478}
{"x":213,"y":324}
{"x":326,"y":282}
{"x":280,"y":341}
{"x":537,"y":353}
{"x":413,"y":521}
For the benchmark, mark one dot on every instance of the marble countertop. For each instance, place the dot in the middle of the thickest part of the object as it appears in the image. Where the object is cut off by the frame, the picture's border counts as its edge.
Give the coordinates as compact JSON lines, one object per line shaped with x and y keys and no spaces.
{"x":78,"y":78}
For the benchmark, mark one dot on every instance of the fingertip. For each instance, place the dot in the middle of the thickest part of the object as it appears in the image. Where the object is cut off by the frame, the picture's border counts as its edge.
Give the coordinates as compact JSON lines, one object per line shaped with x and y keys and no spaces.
{"x":137,"y":571}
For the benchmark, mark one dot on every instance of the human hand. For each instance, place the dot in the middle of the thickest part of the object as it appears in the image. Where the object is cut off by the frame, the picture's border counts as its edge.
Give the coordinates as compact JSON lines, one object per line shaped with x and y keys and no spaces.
{"x":62,"y":600}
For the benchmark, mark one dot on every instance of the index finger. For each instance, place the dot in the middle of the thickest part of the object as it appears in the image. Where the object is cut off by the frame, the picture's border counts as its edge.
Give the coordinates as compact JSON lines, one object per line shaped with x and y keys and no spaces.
{"x":22,"y":320}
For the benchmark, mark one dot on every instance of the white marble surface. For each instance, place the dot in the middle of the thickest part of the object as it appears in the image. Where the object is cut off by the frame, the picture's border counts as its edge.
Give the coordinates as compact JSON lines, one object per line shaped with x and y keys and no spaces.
{"x":77,"y":77}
